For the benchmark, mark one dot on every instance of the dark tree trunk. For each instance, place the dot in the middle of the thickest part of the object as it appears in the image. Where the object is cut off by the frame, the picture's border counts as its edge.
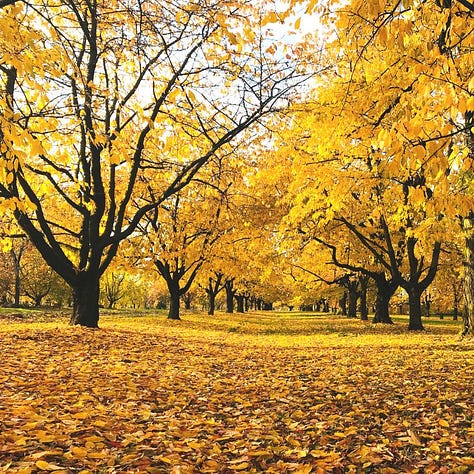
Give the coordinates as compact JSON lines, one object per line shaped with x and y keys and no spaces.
{"x":173,"y":312}
{"x":364,"y":283}
{"x":212,"y":303}
{"x":214,"y":287}
{"x":247,"y":302}
{"x":385,"y":290}
{"x":240,"y":303}
{"x":414,"y":302}
{"x":455,"y":304}
{"x":17,"y":256}
{"x":17,"y":292}
{"x":352,"y":308}
{"x":349,"y":301}
{"x":86,"y":293}
{"x":468,"y":287}
{"x":187,"y":301}
{"x":468,"y":227}
{"x":382,"y":314}
{"x":38,"y":300}
{"x":415,"y":285}
{"x":427,"y":302}
{"x":229,"y":293}
{"x":174,"y":273}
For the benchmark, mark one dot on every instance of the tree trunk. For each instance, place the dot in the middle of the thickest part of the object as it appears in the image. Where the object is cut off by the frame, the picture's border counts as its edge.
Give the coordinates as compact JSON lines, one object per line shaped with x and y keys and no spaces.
{"x":468,"y":227}
{"x":86,"y":293}
{"x":240,"y":303}
{"x":414,"y":302}
{"x":415,"y":286}
{"x":364,"y":283}
{"x":246,"y":303}
{"x":187,"y":301}
{"x":16,"y":300}
{"x":229,"y":293}
{"x":173,"y":312}
{"x":214,"y":287}
{"x":353,"y":297}
{"x":17,"y":256}
{"x":468,"y":311}
{"x":212,"y":303}
{"x":343,"y":304}
{"x":381,"y":309}
{"x":385,"y":290}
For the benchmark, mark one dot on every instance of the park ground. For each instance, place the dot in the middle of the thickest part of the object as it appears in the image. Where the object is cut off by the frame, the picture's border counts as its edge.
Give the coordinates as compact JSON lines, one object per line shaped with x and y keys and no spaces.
{"x":260,"y":392}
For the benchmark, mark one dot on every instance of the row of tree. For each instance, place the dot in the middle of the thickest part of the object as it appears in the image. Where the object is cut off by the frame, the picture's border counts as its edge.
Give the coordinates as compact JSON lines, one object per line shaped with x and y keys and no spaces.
{"x":185,"y":139}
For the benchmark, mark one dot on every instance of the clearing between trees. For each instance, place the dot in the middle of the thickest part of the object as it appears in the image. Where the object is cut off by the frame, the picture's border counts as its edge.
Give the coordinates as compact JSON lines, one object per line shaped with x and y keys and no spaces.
{"x":261,"y":392}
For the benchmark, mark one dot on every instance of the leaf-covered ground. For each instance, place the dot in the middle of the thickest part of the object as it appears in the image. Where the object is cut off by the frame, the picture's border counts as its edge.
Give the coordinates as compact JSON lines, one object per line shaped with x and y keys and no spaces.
{"x":250,"y":393}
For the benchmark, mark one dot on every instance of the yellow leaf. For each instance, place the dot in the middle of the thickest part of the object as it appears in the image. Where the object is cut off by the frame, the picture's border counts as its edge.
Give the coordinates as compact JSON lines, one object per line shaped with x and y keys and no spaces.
{"x":46,"y":466}
{"x":211,"y":466}
{"x":413,"y":438}
{"x":240,"y":467}
{"x":443,"y":423}
{"x":304,"y":469}
{"x":259,"y":453}
{"x":165,"y":460}
{"x":36,"y":148}
{"x":79,"y":452}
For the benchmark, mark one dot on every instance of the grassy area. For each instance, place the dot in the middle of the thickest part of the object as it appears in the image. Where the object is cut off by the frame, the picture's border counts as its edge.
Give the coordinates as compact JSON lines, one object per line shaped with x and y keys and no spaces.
{"x":260,"y":392}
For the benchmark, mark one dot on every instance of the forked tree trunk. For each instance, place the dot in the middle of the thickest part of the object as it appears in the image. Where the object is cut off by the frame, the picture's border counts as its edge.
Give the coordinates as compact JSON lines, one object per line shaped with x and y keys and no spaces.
{"x":414,"y":285}
{"x":214,"y":287}
{"x":86,"y":293}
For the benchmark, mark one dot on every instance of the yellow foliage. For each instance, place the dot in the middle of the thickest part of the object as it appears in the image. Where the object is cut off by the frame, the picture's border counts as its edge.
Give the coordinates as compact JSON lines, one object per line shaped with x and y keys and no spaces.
{"x":278,"y":393}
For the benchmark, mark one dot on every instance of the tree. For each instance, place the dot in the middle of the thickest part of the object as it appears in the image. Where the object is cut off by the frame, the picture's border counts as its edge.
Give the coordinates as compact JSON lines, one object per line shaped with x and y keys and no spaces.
{"x":17,"y":251}
{"x":37,"y":278}
{"x":103,"y":100}
{"x":213,"y":288}
{"x":181,"y":234}
{"x":113,"y":288}
{"x":407,"y":90}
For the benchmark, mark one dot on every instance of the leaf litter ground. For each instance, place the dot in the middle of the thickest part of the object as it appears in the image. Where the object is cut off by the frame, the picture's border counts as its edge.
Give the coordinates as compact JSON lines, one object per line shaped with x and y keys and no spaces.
{"x":256,"y":395}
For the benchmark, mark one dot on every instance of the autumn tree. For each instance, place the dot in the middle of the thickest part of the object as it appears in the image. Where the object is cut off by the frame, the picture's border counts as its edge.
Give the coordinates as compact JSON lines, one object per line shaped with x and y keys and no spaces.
{"x":214,"y":286}
{"x":179,"y":236}
{"x":113,"y":287}
{"x":405,"y":90}
{"x":400,"y":99}
{"x":94,"y":96}
{"x":38,"y":280}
